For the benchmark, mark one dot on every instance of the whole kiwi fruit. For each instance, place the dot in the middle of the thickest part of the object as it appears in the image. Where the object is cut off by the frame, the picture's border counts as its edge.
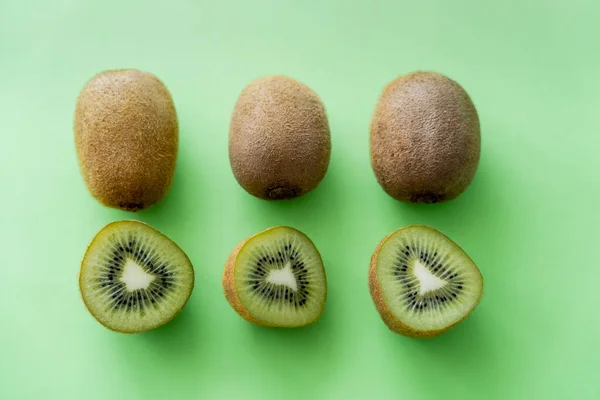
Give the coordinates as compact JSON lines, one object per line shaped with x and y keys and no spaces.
{"x":126,"y":137}
{"x":424,"y":138}
{"x":279,"y":139}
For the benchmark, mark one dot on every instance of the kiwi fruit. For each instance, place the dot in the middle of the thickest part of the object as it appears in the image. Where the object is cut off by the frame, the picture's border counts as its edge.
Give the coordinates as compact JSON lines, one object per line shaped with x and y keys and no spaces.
{"x":424,"y":138}
{"x":422,"y":283}
{"x":133,"y":278}
{"x":276,"y":278}
{"x":279,"y":139}
{"x":126,"y":138}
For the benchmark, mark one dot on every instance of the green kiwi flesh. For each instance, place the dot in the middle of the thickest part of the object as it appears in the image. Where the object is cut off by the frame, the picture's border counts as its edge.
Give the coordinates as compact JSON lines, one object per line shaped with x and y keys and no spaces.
{"x":422,"y":282}
{"x":276,"y":278}
{"x":133,"y":278}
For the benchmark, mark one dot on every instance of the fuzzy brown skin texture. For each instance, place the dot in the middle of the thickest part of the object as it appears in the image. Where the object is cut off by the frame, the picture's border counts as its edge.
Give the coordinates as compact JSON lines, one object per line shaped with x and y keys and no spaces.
{"x":424,"y":139}
{"x":96,"y":237}
{"x":229,"y":286}
{"x":390,"y":320}
{"x":279,"y":139}
{"x":126,"y":138}
{"x":231,"y":292}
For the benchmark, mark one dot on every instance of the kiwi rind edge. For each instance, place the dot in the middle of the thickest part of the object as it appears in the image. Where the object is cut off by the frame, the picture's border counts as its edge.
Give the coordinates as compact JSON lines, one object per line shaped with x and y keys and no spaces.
{"x":231,"y":293}
{"x":390,"y":320}
{"x":95,"y":238}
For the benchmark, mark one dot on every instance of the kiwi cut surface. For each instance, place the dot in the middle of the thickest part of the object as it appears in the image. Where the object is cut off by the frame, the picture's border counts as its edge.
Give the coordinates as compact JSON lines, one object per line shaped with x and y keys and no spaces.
{"x":126,"y":138}
{"x":279,"y":139}
{"x":422,"y":283}
{"x":424,"y":138}
{"x":276,"y":278}
{"x":133,"y":278}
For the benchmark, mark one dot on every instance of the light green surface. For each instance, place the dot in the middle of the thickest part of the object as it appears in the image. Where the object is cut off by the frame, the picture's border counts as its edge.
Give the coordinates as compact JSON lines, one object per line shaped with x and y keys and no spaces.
{"x":530,"y":219}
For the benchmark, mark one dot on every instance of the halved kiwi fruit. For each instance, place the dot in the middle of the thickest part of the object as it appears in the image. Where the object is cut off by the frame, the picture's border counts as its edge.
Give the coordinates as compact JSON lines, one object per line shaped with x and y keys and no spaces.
{"x":422,"y":283}
{"x":133,"y":278}
{"x":276,"y":278}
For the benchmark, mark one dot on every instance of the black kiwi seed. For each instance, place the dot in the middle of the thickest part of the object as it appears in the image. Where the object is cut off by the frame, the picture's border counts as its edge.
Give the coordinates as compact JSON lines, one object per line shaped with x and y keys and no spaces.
{"x":415,"y":301}
{"x":276,"y":260}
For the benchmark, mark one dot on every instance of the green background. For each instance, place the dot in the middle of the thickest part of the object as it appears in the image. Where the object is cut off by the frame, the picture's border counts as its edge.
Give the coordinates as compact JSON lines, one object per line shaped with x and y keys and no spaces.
{"x":530,"y":219}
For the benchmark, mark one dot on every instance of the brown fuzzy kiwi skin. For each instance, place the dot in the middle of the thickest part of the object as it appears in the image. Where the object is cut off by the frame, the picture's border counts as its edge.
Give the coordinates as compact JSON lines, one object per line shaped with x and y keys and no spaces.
{"x":231,"y":291}
{"x":97,"y":237}
{"x":393,"y":323}
{"x":425,"y":138}
{"x":126,"y":138}
{"x":279,"y":139}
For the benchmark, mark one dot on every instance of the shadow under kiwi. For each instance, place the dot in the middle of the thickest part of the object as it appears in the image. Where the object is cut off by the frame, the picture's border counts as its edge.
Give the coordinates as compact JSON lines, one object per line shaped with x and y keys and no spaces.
{"x":303,"y":212}
{"x":177,"y":339}
{"x":281,"y":350}
{"x":470,"y":350}
{"x":170,"y":216}
{"x":173,"y":350}
{"x":180,"y":202}
{"x":481,"y":213}
{"x":479,"y":221}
